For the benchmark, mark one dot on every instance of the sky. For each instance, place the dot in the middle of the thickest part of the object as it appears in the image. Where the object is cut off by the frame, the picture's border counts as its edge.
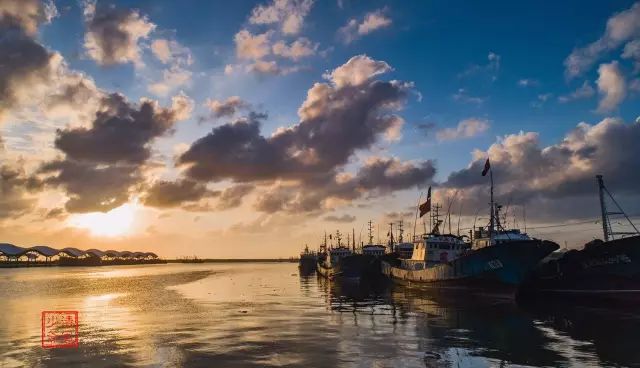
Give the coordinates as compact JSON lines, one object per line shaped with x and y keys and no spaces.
{"x":247,"y":129}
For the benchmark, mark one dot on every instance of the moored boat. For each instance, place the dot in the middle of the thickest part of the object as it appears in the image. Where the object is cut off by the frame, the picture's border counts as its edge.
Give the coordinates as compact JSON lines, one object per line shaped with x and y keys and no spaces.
{"x":608,"y":269}
{"x":308,"y":261}
{"x":496,"y":260}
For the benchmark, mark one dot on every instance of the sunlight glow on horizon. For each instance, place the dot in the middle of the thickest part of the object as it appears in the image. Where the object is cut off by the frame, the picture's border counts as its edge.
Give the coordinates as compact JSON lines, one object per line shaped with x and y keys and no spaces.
{"x":114,"y":223}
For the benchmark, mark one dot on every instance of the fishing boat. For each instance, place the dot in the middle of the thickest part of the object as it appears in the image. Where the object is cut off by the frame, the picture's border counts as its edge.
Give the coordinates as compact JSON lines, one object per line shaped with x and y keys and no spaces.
{"x":330,"y":259}
{"x":403,"y":249}
{"x":308,"y":261}
{"x":608,"y":269}
{"x":496,"y":259}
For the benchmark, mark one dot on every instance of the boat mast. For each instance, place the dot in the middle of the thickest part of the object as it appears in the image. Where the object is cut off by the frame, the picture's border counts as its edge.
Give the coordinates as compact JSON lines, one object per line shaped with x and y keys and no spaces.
{"x":370,"y":233}
{"x":606,"y":223}
{"x":400,"y":232}
{"x":491,"y":214}
{"x":353,"y":230}
{"x":603,"y":208}
{"x":338,"y":238}
{"x":391,"y":242}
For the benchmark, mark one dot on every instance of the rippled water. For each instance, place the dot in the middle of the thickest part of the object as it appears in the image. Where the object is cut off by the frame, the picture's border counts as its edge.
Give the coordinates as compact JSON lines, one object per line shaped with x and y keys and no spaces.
{"x":257,"y":315}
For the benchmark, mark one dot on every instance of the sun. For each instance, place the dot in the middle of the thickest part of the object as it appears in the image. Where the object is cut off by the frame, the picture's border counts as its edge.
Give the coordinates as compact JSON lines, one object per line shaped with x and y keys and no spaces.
{"x":116,"y":222}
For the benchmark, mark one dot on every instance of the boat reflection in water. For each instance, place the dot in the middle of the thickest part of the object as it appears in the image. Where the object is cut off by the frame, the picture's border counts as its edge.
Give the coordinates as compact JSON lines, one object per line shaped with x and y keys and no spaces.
{"x":450,"y":328}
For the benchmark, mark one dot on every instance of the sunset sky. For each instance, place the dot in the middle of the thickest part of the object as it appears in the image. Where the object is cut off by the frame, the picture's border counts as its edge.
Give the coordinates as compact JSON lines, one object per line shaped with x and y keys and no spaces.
{"x":240,"y":129}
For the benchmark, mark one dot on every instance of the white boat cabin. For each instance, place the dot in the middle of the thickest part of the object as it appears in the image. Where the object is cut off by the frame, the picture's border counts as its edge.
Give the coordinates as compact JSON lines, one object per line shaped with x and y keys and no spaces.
{"x":339,"y":252}
{"x":404,"y":250}
{"x":481,"y":237}
{"x":434,"y":249}
{"x":373,"y":250}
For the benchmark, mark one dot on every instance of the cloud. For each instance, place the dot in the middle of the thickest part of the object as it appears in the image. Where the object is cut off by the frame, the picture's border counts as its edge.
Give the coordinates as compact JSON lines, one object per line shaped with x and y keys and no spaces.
{"x":252,"y":47}
{"x":28,"y":68}
{"x":113,"y":35}
{"x":525,"y":82}
{"x":168,"y":194}
{"x":552,"y":177}
{"x":232,"y":196}
{"x":463,"y":96}
{"x":467,"y":128}
{"x":372,"y":21}
{"x":226,"y":108}
{"x":611,"y":86}
{"x":298,"y":49}
{"x":27,"y":15}
{"x":335,"y":119}
{"x":172,"y":79}
{"x":170,"y":52}
{"x":302,"y":166}
{"x":15,"y":187}
{"x":344,"y":219}
{"x":103,"y":162}
{"x":582,"y":92}
{"x":288,"y":14}
{"x":620,"y":28}
{"x":358,"y":70}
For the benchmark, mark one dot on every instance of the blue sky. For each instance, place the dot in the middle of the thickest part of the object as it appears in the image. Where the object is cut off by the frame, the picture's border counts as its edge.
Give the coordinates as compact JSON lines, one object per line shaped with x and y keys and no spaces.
{"x":476,"y":74}
{"x":431,"y":44}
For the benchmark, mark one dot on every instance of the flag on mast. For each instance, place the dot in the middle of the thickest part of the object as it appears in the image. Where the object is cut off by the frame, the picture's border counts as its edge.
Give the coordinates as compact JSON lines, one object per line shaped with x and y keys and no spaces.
{"x":487,"y":167}
{"x":426,"y":206}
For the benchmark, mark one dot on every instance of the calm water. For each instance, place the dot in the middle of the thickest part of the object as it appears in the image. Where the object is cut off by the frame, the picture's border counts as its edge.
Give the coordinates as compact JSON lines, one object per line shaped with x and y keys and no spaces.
{"x":261,"y":315}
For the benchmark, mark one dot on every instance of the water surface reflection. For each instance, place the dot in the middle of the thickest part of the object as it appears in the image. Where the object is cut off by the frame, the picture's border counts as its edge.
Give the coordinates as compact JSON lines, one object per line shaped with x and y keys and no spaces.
{"x":257,"y":315}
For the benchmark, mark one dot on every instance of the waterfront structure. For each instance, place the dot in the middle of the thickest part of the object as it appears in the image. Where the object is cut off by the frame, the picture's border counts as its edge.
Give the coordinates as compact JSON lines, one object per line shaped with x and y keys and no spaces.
{"x":13,"y":253}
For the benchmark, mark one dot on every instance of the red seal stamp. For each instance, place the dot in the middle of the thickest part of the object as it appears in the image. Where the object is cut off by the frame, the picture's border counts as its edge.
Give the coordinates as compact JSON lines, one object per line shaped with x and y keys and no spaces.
{"x":59,"y":329}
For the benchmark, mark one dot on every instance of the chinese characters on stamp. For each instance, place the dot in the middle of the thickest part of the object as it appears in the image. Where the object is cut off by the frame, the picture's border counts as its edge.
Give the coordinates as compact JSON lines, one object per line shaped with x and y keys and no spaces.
{"x":59,"y":329}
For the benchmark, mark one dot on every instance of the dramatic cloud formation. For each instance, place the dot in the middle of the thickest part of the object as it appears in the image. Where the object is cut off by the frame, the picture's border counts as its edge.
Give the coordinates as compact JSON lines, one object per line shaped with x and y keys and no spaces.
{"x":372,"y":21}
{"x":102,"y":162}
{"x":166,"y":194}
{"x":544,"y":177}
{"x":289,"y":14}
{"x":113,"y":35}
{"x":302,"y":165}
{"x":226,"y":108}
{"x":465,"y":129}
{"x":15,"y":186}
{"x":26,"y":67}
{"x":611,"y":85}
{"x":621,"y":28}
{"x":582,"y":92}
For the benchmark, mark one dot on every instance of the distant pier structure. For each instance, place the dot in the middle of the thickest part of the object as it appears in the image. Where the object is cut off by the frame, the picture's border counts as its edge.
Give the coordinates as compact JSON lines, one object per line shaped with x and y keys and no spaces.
{"x":14,"y":255}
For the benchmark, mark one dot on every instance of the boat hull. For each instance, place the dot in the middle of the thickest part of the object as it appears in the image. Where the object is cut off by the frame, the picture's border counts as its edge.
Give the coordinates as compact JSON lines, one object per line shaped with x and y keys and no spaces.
{"x":502,"y":267}
{"x":610,"y":270}
{"x":307,"y":265}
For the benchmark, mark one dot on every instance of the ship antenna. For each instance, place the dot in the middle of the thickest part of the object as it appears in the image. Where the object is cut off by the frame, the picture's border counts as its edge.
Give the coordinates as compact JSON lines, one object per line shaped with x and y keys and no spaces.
{"x":353,"y":230}
{"x":492,"y":221}
{"x":606,"y":223}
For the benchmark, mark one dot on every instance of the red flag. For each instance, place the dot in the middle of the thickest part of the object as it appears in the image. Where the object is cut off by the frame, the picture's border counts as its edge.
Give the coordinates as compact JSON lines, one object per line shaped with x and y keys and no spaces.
{"x":487,"y":167}
{"x":426,"y":206}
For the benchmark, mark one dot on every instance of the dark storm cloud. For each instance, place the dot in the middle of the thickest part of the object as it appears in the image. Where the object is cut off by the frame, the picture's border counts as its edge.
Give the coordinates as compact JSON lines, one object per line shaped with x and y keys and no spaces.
{"x":25,"y":64}
{"x":104,"y":163}
{"x":336,"y":119}
{"x":165,"y":194}
{"x":558,"y":175}
{"x":91,"y":187}
{"x":379,"y":176}
{"x":15,"y":187}
{"x":121,"y":132}
{"x":232,"y":197}
{"x":344,"y":219}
